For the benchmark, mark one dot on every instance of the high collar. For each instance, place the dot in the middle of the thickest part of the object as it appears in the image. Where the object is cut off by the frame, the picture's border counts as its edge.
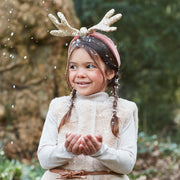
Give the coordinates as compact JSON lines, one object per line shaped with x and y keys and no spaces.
{"x":98,"y":97}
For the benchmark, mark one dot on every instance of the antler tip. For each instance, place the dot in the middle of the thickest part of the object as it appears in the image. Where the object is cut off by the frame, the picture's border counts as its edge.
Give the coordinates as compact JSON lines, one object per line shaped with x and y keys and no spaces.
{"x":50,"y":15}
{"x":113,"y":10}
{"x":60,"y":14}
{"x":56,"y":33}
{"x":119,"y":15}
{"x":52,"y":32}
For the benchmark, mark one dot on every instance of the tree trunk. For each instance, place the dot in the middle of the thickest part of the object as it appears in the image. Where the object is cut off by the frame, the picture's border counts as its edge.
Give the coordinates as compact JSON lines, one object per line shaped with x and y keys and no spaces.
{"x":32,"y":67}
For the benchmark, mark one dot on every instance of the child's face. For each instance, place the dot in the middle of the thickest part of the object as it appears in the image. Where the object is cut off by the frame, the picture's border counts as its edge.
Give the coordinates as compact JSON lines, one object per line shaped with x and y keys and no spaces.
{"x":84,"y":75}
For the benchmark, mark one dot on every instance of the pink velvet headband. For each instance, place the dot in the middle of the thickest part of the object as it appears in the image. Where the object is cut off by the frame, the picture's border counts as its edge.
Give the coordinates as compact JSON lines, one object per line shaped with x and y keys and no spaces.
{"x":104,"y":39}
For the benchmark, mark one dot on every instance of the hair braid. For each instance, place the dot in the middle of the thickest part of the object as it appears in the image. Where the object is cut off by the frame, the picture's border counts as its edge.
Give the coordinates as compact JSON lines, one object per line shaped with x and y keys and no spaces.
{"x":68,"y":113}
{"x":115,"y":119}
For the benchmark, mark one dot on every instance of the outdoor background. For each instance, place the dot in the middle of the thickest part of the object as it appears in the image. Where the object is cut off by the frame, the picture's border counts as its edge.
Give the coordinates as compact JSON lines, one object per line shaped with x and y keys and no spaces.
{"x":32,"y":66}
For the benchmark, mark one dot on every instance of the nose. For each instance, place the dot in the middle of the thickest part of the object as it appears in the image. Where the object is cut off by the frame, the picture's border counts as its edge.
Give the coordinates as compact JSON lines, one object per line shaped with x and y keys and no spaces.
{"x":81,"y":73}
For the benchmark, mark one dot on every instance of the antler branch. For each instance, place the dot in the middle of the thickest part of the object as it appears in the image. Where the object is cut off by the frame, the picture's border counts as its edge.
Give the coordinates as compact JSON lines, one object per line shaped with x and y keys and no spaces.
{"x":106,"y":22}
{"x":64,"y":28}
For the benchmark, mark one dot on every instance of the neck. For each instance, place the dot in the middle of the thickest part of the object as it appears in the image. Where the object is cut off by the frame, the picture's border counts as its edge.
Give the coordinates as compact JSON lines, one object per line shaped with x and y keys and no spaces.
{"x":100,"y":96}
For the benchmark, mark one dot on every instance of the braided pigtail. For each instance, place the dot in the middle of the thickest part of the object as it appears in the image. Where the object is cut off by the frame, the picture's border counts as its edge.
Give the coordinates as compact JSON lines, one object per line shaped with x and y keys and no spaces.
{"x":115,"y":119}
{"x":68,"y":114}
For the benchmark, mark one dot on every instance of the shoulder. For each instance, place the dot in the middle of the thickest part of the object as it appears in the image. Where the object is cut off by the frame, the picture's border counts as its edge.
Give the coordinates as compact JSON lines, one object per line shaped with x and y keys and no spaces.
{"x":60,"y":99}
{"x":59,"y":103}
{"x":126,"y":105}
{"x":126,"y":110}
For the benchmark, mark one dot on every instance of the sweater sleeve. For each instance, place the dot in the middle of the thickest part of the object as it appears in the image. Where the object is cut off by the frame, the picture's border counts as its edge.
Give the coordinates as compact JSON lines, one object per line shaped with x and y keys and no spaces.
{"x":121,"y":160}
{"x":50,"y":153}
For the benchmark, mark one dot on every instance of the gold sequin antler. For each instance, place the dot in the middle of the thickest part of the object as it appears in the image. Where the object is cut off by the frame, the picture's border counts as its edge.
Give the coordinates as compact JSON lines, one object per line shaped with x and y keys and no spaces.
{"x":66,"y":30}
{"x":106,"y":22}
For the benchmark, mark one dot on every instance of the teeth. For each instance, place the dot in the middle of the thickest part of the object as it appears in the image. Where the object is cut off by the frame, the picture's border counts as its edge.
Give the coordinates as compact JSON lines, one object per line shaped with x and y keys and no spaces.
{"x":82,"y":83}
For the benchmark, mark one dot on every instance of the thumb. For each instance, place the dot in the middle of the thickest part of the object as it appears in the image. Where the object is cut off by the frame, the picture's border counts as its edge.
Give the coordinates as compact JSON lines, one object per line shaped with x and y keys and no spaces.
{"x":99,"y":138}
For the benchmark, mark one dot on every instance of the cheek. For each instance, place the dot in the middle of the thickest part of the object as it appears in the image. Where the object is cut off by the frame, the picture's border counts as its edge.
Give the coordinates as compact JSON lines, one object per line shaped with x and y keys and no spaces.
{"x":97,"y":76}
{"x":71,"y":77}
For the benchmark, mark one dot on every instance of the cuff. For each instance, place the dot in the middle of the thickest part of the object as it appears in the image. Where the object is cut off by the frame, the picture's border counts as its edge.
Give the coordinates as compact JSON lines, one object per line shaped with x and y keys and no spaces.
{"x":67,"y":153}
{"x":101,"y":151}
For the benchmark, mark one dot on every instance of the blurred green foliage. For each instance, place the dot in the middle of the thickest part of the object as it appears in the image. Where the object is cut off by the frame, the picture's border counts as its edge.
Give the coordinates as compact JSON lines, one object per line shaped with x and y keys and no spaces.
{"x":148,"y":40}
{"x":16,"y":170}
{"x":149,"y":144}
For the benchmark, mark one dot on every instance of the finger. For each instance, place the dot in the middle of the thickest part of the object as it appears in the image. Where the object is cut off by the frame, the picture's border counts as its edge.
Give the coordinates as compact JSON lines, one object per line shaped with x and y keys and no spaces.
{"x":84,"y":152}
{"x":71,"y":141}
{"x":99,"y":138}
{"x":75,"y":148}
{"x":85,"y":149}
{"x":68,"y":140}
{"x":90,"y":144}
{"x":68,"y":134}
{"x":95,"y":142}
{"x":80,"y":149}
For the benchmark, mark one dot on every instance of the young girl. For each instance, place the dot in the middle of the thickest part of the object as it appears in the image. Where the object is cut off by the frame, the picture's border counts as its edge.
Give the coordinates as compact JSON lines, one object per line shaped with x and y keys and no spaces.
{"x":90,"y":134}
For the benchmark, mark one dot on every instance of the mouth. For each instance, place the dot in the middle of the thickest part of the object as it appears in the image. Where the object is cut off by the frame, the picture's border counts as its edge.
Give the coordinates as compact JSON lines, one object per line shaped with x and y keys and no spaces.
{"x":82,"y":84}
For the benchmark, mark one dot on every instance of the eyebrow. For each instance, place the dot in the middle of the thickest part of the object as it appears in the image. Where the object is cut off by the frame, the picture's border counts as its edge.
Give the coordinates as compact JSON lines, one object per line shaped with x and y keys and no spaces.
{"x":89,"y":62}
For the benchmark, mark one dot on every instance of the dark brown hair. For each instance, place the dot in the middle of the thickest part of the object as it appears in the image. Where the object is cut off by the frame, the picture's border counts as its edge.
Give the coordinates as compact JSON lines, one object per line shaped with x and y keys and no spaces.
{"x":94,"y":48}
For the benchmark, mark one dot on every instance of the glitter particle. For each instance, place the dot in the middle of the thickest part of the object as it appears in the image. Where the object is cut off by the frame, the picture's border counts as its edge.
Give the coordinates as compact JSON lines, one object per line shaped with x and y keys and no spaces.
{"x":11,"y":56}
{"x":2,"y":153}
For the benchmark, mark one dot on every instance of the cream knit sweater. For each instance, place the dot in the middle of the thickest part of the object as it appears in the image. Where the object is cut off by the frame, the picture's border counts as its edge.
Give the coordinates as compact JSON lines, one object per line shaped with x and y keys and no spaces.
{"x":90,"y":115}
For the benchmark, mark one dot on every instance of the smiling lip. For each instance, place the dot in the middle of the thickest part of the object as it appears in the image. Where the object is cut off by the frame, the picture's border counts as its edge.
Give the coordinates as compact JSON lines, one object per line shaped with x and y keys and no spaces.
{"x":82,"y":84}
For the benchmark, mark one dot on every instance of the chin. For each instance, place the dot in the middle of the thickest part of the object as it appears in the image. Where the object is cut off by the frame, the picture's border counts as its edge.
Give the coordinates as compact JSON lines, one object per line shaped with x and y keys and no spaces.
{"x":82,"y":93}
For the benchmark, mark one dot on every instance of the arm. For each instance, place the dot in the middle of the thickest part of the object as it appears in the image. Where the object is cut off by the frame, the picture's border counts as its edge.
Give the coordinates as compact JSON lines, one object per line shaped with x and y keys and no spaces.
{"x":50,"y":153}
{"x":123,"y":159}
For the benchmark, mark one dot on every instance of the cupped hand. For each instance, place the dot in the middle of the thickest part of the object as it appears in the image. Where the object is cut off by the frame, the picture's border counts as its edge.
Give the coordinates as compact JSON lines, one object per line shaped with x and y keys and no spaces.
{"x":91,"y":145}
{"x":73,"y":142}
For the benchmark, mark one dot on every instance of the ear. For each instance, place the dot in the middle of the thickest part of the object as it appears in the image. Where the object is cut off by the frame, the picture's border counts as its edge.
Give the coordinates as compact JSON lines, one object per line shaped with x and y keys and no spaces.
{"x":110,"y":74}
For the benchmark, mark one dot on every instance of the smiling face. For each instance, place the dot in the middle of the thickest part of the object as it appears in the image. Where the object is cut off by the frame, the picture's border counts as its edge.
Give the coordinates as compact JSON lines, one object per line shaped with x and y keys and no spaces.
{"x":85,"y":75}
